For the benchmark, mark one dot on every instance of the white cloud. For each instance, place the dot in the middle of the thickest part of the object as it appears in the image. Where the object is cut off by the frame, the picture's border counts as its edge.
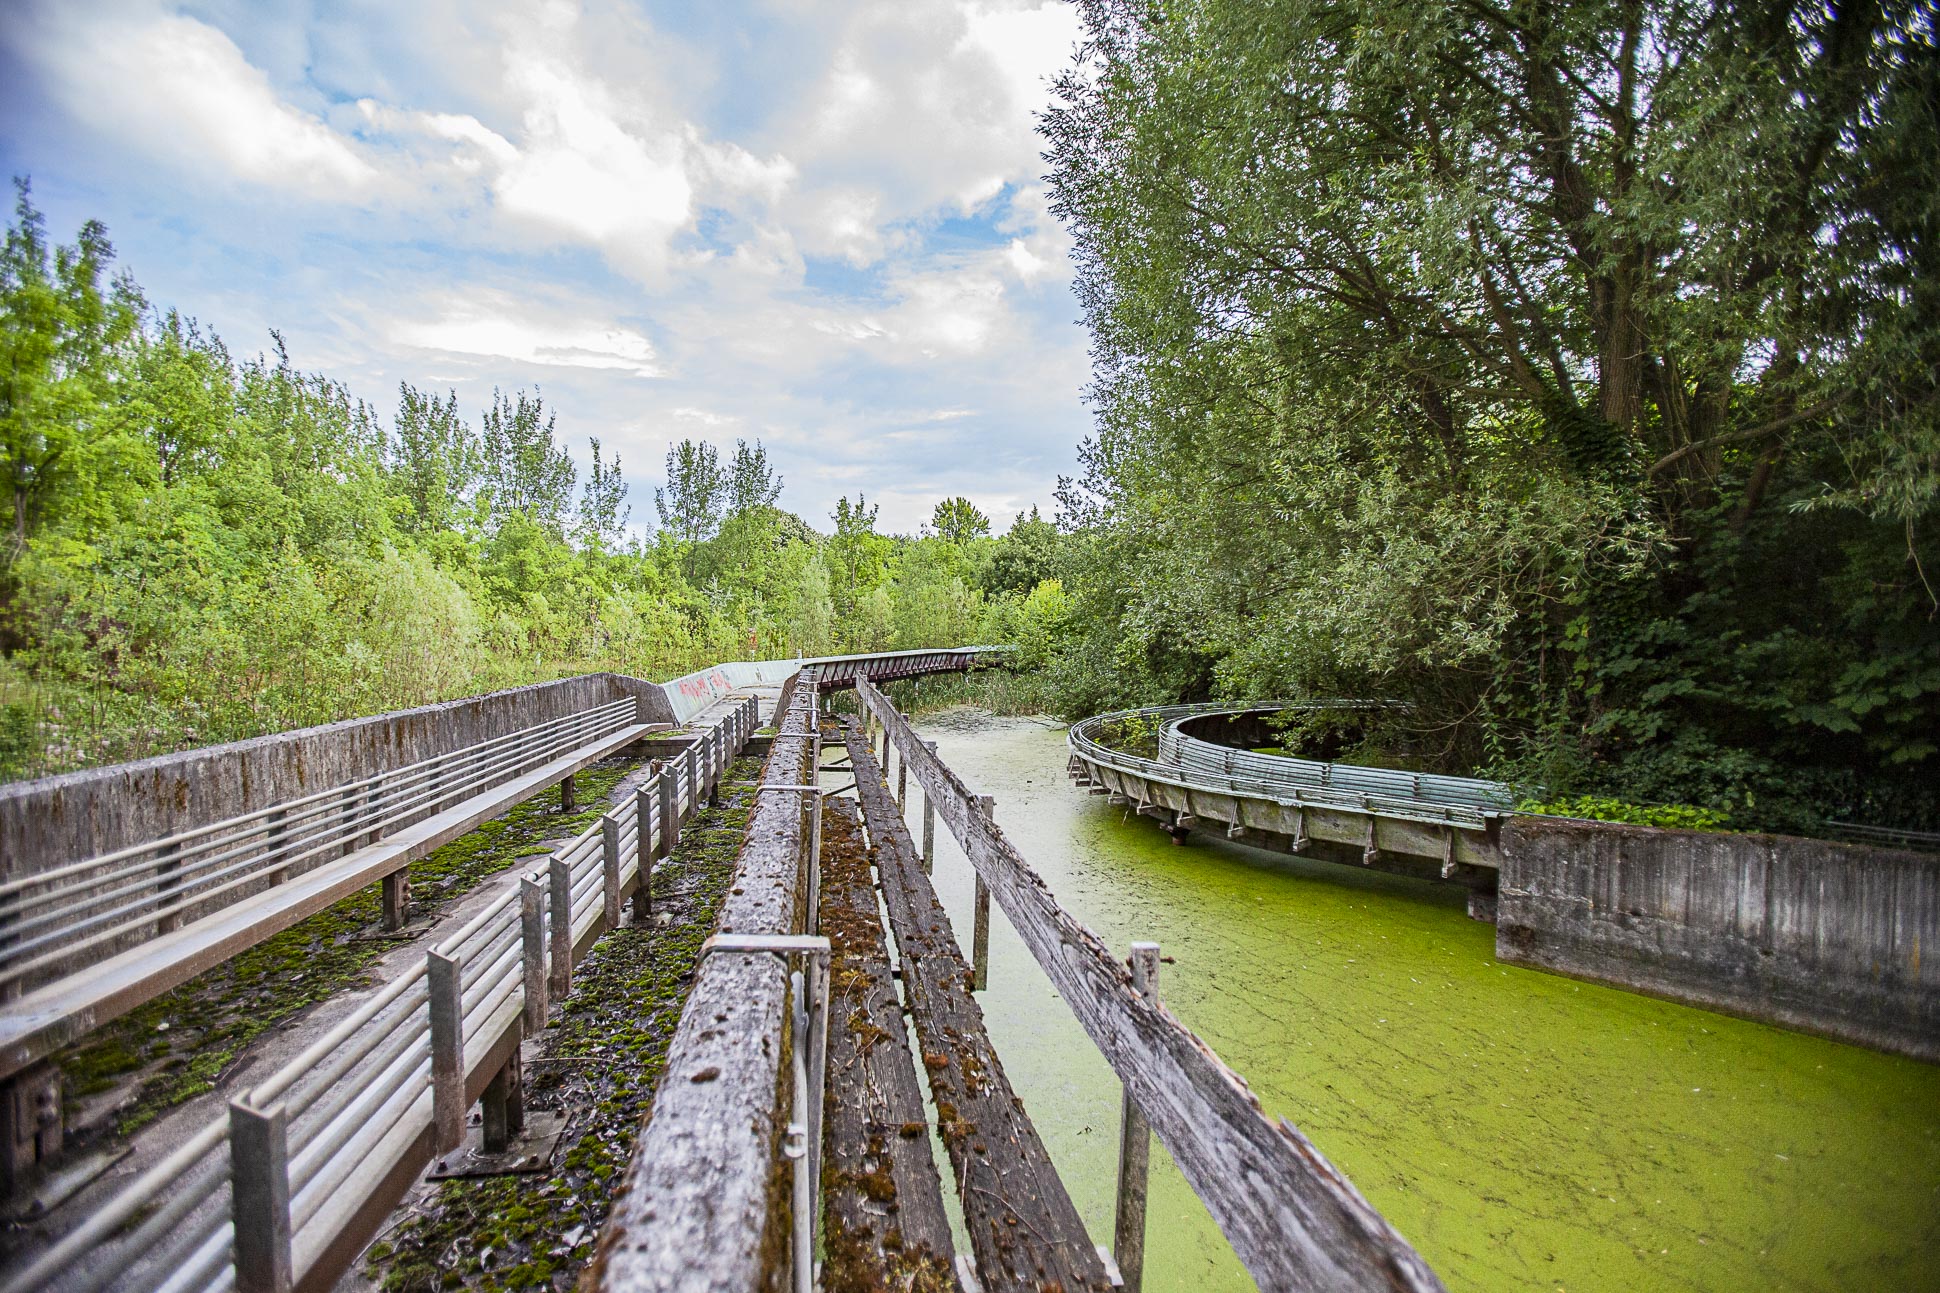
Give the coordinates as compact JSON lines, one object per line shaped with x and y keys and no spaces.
{"x":175,"y":86}
{"x":506,"y":330}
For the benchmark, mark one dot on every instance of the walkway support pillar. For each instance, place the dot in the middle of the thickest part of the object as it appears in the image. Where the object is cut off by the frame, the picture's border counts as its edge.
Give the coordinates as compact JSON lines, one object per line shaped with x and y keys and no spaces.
{"x":1135,"y":1149}
{"x":980,"y":936}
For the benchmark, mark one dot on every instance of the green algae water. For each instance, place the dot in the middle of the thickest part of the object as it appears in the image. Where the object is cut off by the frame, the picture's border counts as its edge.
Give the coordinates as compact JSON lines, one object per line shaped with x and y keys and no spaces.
{"x":1524,"y":1131}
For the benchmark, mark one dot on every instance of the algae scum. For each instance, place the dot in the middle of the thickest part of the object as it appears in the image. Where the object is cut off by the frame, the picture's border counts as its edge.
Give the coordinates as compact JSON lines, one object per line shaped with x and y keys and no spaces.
{"x":1524,"y":1131}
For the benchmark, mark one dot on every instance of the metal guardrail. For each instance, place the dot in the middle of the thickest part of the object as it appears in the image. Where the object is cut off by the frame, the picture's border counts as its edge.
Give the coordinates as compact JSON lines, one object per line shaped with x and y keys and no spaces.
{"x":1463,"y":802}
{"x":51,"y":921}
{"x":261,"y":1196}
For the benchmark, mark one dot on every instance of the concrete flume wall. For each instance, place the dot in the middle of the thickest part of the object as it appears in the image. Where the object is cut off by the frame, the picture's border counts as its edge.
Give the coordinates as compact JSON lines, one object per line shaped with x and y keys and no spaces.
{"x":1837,"y":939}
{"x":55,"y":820}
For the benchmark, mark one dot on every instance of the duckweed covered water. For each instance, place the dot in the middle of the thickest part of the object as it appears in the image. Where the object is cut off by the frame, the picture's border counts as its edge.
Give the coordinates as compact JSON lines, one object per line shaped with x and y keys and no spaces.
{"x":1524,"y":1131}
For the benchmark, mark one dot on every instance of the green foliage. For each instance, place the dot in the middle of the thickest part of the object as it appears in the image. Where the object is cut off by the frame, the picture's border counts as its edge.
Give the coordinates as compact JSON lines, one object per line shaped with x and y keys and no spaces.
{"x":204,"y":548}
{"x":1596,"y":808}
{"x":957,"y":520}
{"x":1571,"y":379}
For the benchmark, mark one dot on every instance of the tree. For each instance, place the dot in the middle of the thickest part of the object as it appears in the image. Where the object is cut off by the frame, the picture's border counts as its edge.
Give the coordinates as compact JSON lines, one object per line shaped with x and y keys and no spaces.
{"x":690,"y":503}
{"x":603,"y":512}
{"x":63,"y":339}
{"x":854,"y":548}
{"x":1505,"y":327}
{"x":525,"y":469}
{"x":751,"y":482}
{"x":434,"y":459}
{"x":957,"y":520}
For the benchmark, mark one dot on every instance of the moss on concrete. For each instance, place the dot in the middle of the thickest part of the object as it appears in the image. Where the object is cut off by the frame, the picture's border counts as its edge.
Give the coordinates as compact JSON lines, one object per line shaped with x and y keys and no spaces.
{"x":179,"y":1045}
{"x":602,"y":1057}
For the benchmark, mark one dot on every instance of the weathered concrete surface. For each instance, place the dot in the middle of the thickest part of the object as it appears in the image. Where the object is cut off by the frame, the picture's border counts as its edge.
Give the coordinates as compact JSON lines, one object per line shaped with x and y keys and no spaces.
{"x":1836,"y":939}
{"x":55,"y":820}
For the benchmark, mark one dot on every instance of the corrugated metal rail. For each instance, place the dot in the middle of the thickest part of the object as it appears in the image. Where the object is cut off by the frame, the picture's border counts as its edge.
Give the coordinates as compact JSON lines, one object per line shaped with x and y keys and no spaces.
{"x":1189,"y":762}
{"x":283,"y":1189}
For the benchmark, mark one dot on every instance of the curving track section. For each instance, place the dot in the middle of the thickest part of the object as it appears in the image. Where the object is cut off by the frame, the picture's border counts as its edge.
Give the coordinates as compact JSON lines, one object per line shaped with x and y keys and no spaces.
{"x":1397,"y":820}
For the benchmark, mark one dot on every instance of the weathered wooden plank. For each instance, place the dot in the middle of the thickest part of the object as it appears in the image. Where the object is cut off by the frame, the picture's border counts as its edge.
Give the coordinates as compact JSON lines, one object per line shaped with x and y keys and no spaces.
{"x":1023,"y":1227}
{"x":704,"y":1204}
{"x":883,"y":1219}
{"x":1291,"y":1216}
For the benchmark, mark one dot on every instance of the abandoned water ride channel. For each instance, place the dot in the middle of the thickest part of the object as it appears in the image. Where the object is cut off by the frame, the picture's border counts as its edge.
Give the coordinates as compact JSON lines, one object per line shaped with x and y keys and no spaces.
{"x":1522,"y":1130}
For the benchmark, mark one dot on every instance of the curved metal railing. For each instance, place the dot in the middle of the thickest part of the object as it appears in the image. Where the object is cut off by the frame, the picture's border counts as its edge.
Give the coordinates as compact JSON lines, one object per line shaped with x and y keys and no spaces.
{"x":1194,"y":764}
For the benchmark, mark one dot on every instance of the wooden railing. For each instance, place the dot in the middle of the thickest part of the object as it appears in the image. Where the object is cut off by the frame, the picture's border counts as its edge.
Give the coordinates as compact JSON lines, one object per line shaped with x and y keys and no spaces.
{"x":1293,"y":1219}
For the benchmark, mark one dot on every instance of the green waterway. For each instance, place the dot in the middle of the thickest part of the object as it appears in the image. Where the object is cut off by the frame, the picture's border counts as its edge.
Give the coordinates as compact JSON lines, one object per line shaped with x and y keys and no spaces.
{"x":1524,"y":1131}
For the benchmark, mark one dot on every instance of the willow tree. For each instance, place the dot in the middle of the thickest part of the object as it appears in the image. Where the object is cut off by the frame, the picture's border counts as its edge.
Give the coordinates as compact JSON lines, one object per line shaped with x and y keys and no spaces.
{"x":1480,"y":353}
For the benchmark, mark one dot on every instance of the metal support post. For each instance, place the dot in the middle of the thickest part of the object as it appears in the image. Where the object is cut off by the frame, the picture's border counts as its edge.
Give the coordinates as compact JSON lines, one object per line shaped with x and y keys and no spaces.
{"x":532,"y":933}
{"x":503,"y":1105}
{"x":610,"y":869}
{"x":568,"y":794}
{"x":259,"y":1186}
{"x":669,"y":808}
{"x":447,"y":1051}
{"x":643,"y":854}
{"x":396,"y":899}
{"x":165,"y":884}
{"x":1135,"y":1148}
{"x":810,"y":1020}
{"x":980,"y":935}
{"x":717,"y":764}
{"x":560,"y":917}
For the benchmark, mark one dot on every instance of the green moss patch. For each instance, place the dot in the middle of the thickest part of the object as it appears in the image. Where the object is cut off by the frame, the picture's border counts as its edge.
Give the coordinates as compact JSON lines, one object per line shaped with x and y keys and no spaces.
{"x":601,"y":1061}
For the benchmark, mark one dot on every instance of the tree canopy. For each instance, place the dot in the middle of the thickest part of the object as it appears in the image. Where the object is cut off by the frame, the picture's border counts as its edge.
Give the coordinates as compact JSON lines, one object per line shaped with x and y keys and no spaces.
{"x":1568,"y":372}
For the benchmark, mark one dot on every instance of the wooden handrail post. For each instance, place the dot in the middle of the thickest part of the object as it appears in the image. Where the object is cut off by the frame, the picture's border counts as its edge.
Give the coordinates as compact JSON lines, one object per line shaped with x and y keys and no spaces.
{"x":568,"y":794}
{"x":442,"y":975}
{"x":693,"y":769}
{"x":980,"y":936}
{"x":259,"y":1194}
{"x":929,"y":822}
{"x":669,"y":807}
{"x":532,"y":933}
{"x":1135,"y":1148}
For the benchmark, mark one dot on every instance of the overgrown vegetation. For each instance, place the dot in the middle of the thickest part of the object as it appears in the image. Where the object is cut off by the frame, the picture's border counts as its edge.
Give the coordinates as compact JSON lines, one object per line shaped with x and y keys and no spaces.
{"x":1568,"y":373}
{"x":197,"y":548}
{"x":602,"y":1059}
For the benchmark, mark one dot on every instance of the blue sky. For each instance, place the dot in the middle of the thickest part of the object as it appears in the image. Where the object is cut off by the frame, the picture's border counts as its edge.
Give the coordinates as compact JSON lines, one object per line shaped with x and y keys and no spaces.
{"x":817,"y":224}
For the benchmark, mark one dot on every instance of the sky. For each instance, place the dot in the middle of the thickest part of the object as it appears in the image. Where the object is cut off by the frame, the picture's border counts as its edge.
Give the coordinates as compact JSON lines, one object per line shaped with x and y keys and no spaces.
{"x":820,"y":225}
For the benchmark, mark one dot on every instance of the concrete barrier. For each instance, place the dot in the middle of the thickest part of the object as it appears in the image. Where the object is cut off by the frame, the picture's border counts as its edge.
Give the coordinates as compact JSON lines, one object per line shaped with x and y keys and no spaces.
{"x":1837,"y":939}
{"x":54,"y":820}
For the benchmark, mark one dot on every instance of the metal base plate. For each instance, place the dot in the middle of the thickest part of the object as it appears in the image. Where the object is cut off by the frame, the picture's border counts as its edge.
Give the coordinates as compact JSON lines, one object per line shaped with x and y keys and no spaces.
{"x":530,"y":1151}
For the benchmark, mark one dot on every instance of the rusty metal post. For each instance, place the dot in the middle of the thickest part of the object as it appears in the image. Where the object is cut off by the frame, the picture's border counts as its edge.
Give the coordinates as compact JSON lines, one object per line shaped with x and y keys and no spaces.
{"x":503,"y":1105}
{"x":395,"y":899}
{"x":1135,"y":1148}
